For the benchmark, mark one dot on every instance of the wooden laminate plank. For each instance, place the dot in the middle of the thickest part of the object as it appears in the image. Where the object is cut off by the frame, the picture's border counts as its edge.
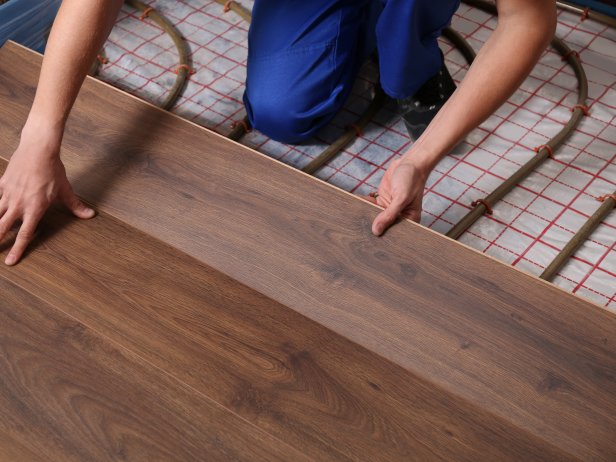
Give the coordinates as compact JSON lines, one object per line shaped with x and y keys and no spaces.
{"x":324,"y":395}
{"x":68,"y":394}
{"x":14,"y":451}
{"x":517,"y":347}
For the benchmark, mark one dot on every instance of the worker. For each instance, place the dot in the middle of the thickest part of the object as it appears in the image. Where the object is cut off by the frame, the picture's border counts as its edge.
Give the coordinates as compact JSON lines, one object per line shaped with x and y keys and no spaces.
{"x":303,"y":57}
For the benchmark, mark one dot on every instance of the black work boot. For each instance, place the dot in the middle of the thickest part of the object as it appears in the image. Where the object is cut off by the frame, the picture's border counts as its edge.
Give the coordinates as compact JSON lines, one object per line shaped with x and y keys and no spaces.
{"x":419,"y":110}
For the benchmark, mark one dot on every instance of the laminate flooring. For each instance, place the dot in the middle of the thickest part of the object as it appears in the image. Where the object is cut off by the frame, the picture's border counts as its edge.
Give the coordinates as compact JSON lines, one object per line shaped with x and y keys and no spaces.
{"x":223,"y":306}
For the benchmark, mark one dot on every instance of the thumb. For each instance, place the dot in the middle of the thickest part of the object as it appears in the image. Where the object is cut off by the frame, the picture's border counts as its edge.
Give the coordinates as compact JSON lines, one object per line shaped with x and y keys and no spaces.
{"x":76,"y":205}
{"x":387,"y":217}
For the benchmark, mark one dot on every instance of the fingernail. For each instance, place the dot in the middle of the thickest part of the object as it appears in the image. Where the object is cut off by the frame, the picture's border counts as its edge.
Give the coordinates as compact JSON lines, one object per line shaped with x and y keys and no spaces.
{"x":10,"y":260}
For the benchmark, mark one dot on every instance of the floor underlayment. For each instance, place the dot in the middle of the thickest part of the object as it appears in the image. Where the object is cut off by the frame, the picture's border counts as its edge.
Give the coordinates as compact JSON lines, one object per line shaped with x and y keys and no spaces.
{"x":527,"y":228}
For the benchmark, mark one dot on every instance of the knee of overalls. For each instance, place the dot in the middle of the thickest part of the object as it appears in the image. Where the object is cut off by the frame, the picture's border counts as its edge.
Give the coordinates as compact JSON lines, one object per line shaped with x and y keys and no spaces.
{"x":289,"y":101}
{"x":303,"y":58}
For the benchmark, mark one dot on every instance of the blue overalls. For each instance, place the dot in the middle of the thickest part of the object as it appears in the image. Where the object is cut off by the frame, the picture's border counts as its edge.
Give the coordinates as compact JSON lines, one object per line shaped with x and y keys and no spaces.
{"x":304,"y":56}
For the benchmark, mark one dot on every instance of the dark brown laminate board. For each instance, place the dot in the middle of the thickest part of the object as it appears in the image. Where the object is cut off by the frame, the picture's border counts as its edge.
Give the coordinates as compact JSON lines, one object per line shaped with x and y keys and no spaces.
{"x":506,"y":342}
{"x":322,"y":394}
{"x":68,"y":394}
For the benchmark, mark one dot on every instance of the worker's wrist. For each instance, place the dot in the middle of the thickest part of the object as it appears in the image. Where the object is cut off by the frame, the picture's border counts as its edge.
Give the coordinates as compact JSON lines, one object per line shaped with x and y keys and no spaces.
{"x":42,"y":137}
{"x":422,"y":160}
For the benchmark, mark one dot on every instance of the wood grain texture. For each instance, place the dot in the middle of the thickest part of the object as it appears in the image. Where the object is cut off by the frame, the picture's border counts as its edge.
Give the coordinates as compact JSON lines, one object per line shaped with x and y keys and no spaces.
{"x":508,"y":346}
{"x":322,"y":394}
{"x":68,"y":394}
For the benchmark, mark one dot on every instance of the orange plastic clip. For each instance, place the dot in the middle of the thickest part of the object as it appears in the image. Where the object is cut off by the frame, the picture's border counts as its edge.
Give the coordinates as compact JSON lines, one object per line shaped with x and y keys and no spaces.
{"x":547,"y":147}
{"x":227,"y":6}
{"x":241,"y":122}
{"x":185,"y":67}
{"x":357,"y":129}
{"x":101,"y":59}
{"x":585,"y":14}
{"x":485,"y":204}
{"x":571,"y":53}
{"x":585,"y":109}
{"x":146,"y":13}
{"x":607,"y":196}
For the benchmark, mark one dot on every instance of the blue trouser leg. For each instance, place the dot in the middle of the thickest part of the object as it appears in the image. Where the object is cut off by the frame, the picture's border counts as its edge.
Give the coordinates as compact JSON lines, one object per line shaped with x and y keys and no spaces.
{"x":303,"y":56}
{"x":407,"y":33}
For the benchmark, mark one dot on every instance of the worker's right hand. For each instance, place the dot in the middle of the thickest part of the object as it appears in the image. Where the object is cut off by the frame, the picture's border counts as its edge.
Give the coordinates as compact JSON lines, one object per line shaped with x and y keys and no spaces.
{"x":34,"y":179}
{"x":400,"y":193}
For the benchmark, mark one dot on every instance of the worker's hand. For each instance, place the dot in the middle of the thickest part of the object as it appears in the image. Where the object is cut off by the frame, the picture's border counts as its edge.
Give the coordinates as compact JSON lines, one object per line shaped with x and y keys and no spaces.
{"x":400,"y":193}
{"x":34,"y":179}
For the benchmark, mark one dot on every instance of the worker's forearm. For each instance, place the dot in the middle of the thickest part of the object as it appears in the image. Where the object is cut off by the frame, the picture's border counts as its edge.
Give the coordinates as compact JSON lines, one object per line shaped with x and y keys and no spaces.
{"x":524,"y":30}
{"x":79,"y":31}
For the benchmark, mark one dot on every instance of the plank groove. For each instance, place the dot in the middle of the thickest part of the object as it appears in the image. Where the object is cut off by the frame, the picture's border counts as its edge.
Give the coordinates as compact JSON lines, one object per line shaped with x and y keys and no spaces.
{"x":505,"y":364}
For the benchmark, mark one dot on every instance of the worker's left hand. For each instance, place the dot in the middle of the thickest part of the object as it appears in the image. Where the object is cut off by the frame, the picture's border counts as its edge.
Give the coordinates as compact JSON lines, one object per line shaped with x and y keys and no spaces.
{"x":400,"y":194}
